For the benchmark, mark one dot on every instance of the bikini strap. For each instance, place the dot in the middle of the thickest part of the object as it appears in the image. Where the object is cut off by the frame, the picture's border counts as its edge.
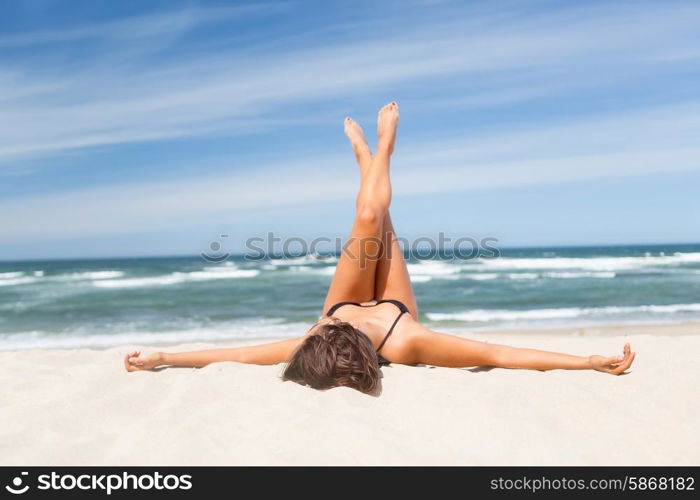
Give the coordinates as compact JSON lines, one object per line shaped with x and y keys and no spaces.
{"x":339,"y":305}
{"x":391,"y":330}
{"x":399,"y":305}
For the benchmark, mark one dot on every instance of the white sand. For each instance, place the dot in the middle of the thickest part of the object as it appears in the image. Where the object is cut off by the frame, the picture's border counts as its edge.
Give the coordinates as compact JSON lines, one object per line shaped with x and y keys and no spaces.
{"x":74,"y":407}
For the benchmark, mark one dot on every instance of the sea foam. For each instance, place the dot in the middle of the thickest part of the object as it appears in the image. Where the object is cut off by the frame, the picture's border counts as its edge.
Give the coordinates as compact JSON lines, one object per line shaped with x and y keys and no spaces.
{"x":590,"y":263}
{"x":176,"y":278}
{"x":488,"y":315}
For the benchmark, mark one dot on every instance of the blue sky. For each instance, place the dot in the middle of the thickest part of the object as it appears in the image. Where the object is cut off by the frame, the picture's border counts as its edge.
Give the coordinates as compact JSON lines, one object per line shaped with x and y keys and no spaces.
{"x":149,"y":128}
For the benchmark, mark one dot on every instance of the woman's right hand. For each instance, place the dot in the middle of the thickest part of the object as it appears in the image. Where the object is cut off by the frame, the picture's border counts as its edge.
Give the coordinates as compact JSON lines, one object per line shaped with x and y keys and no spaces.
{"x":613,"y":365}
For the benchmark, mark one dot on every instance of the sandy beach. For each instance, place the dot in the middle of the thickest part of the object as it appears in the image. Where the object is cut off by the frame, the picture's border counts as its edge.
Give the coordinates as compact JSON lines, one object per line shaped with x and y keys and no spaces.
{"x":79,"y":407}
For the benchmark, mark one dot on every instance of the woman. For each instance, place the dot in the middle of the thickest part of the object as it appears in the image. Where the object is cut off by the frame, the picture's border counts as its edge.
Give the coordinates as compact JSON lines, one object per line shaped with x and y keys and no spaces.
{"x":371,"y":316}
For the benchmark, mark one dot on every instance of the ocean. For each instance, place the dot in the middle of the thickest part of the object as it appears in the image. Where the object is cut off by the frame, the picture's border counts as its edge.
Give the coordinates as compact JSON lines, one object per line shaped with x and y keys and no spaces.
{"x":106,"y":302}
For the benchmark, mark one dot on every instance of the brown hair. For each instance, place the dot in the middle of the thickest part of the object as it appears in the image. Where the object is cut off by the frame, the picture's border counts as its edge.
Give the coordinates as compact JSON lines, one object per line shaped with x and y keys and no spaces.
{"x":336,"y":354}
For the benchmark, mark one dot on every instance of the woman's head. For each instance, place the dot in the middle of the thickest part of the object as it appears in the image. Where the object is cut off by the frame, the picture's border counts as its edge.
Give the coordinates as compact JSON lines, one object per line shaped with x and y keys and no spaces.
{"x":335,"y":354}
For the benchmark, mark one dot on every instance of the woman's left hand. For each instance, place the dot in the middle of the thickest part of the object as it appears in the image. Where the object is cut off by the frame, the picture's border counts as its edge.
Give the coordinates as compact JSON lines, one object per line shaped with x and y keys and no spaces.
{"x":134,"y":362}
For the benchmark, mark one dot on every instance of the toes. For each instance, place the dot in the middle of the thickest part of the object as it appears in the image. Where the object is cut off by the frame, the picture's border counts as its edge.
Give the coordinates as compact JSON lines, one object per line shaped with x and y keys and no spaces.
{"x":391,"y":108}
{"x":351,"y":124}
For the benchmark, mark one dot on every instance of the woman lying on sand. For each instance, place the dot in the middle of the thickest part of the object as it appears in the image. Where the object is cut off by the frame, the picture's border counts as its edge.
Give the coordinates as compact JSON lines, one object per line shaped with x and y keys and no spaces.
{"x":371,"y":316}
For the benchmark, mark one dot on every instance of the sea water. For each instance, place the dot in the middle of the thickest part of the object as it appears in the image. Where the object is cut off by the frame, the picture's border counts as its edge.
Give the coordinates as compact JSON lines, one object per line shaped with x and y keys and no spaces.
{"x":100,"y":303}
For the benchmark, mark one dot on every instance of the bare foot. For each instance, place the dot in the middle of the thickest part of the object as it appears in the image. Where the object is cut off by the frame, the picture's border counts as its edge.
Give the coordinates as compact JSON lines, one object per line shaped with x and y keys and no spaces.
{"x":358,"y":141}
{"x":134,"y":362}
{"x":614,"y":365}
{"x":387,"y":121}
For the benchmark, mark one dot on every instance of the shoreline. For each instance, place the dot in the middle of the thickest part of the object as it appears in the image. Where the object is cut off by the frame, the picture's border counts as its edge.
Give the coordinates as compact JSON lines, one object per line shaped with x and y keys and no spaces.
{"x":655,"y":328}
{"x":80,"y":407}
{"x":669,"y":328}
{"x":614,"y":330}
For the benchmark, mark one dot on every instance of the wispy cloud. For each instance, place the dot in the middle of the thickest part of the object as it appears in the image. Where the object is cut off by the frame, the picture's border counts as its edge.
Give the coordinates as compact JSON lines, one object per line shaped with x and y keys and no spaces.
{"x":593,"y":148}
{"x":228,"y":89}
{"x":493,"y":95}
{"x":138,"y":27}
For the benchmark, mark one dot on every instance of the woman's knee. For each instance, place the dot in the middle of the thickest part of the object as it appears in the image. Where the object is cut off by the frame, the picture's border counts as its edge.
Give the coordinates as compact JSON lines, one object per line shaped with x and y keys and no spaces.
{"x":370,"y":213}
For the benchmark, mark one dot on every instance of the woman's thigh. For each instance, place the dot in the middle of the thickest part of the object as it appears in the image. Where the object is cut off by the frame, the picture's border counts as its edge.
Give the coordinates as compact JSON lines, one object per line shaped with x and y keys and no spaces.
{"x":353,"y":279}
{"x":392,"y":280}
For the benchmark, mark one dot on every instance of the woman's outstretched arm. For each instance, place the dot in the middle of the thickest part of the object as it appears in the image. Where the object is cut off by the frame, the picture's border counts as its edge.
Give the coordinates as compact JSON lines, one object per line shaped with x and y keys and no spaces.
{"x":440,"y":349}
{"x":266,"y":354}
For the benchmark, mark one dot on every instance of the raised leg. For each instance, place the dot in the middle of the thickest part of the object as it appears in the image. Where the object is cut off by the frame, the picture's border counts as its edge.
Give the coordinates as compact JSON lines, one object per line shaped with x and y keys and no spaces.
{"x":392,"y":280}
{"x":355,"y":274}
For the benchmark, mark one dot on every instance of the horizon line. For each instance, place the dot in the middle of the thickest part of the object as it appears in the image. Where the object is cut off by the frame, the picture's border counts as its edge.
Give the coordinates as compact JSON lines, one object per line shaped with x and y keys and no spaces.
{"x":328,"y":254}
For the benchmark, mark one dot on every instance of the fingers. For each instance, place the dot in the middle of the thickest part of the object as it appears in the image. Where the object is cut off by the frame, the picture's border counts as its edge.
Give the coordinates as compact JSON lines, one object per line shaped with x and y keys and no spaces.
{"x":128,"y":364}
{"x":615,"y":365}
{"x":618,"y":360}
{"x":132,"y":361}
{"x":625,"y":365}
{"x":615,"y":360}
